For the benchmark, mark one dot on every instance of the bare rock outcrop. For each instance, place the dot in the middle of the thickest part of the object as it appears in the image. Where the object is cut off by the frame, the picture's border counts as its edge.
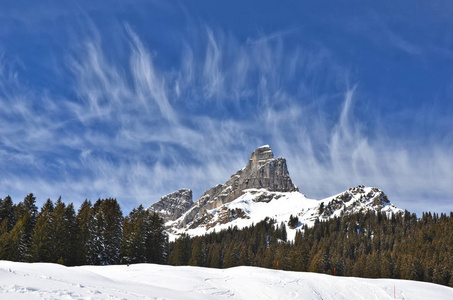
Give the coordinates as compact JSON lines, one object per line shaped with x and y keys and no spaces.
{"x":262,"y":171}
{"x":357,"y":199}
{"x":172,"y":206}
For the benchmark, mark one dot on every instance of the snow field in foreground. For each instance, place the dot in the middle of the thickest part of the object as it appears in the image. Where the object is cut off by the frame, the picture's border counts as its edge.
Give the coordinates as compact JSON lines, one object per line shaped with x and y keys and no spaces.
{"x":148,"y":281}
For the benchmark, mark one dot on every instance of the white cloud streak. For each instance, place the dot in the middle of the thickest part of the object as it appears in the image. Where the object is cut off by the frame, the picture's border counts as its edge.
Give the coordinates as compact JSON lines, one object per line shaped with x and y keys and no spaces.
{"x":148,"y":83}
{"x":137,"y":131}
{"x":212,"y":75}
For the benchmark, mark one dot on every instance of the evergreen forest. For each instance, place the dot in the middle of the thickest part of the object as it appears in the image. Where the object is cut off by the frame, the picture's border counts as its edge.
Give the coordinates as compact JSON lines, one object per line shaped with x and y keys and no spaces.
{"x":372,"y":245}
{"x":97,"y":234}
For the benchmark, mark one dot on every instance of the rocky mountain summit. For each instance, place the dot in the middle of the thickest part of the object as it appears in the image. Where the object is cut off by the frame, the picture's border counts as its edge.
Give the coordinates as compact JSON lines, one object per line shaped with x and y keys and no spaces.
{"x":262,"y":171}
{"x":257,"y":204}
{"x":172,"y":206}
{"x":356,"y":199}
{"x":262,"y":189}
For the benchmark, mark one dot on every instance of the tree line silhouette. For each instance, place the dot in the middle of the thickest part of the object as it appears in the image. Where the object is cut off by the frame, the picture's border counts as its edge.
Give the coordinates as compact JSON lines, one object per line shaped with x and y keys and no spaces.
{"x":372,"y":245}
{"x":97,"y":234}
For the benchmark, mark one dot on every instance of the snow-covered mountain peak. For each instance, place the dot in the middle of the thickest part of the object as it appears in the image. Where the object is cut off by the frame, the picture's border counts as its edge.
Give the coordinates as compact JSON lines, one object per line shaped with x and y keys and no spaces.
{"x":254,"y":205}
{"x":262,"y":189}
{"x":357,"y":199}
{"x":262,"y":171}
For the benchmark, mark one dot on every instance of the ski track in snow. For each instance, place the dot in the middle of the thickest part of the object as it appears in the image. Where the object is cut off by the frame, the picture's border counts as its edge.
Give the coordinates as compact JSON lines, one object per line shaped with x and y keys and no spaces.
{"x":148,"y":281}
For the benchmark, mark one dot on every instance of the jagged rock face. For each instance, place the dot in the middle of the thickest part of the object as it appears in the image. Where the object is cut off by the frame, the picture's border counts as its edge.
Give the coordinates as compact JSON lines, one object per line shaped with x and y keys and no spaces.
{"x":357,"y":199}
{"x":262,"y":189}
{"x":264,"y":172}
{"x":257,"y":204}
{"x":261,"y":172}
{"x":172,"y":206}
{"x":259,"y":157}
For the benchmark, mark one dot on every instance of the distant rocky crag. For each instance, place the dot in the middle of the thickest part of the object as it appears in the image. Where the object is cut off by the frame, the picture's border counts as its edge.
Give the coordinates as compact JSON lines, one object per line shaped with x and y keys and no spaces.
{"x":172,"y":206}
{"x":262,"y":171}
{"x":357,"y":199}
{"x":264,"y":179}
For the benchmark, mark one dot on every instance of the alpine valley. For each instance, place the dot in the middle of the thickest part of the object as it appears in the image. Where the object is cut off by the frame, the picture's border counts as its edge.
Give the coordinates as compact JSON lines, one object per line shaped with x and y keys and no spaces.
{"x":262,"y":189}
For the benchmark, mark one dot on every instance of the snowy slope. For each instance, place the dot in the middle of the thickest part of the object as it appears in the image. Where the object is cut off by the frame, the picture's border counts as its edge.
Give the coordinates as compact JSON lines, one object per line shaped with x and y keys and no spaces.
{"x":255,"y":205}
{"x":147,"y":281}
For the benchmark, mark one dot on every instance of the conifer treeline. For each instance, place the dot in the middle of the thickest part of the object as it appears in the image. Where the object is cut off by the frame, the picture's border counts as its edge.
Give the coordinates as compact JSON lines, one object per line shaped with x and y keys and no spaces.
{"x":369,"y":245}
{"x":97,"y":235}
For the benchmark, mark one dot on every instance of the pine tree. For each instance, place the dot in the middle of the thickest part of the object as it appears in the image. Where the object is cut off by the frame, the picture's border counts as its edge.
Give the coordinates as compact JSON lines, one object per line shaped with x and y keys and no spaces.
{"x":95,"y":244}
{"x":134,"y":237}
{"x":13,"y":245}
{"x":41,"y":240}
{"x":7,"y":213}
{"x":282,"y":257}
{"x":293,"y":222}
{"x":243,"y":259}
{"x":268,"y":260}
{"x":360,"y":266}
{"x":83,"y":221}
{"x":181,"y":251}
{"x":71,"y":237}
{"x":230,"y":256}
{"x":372,"y":266}
{"x":197,"y":258}
{"x":60,"y":232}
{"x":385,"y":265}
{"x":27,"y":212}
{"x":110,"y":224}
{"x":63,"y":234}
{"x":156,"y":239}
{"x":215,"y":257}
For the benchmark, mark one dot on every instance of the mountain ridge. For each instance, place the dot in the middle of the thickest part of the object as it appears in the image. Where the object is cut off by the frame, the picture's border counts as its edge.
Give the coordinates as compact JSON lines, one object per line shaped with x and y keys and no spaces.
{"x":263,"y":188}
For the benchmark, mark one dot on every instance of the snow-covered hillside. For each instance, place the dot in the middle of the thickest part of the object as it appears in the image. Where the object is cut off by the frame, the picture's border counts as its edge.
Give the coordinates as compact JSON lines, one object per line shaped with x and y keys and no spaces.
{"x":257,"y":204}
{"x":147,"y":281}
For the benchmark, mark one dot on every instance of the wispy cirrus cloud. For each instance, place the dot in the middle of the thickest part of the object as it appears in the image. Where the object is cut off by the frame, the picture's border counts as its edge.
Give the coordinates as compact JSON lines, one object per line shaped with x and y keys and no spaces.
{"x":137,"y":130}
{"x":325,"y":159}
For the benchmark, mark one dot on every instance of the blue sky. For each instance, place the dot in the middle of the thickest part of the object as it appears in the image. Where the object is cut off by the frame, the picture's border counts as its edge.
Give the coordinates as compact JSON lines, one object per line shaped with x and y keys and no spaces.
{"x":135,"y":99}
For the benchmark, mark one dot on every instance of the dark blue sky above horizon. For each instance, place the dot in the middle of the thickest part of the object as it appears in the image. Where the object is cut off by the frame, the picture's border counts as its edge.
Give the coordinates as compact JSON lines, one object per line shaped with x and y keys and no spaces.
{"x":136,"y":99}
